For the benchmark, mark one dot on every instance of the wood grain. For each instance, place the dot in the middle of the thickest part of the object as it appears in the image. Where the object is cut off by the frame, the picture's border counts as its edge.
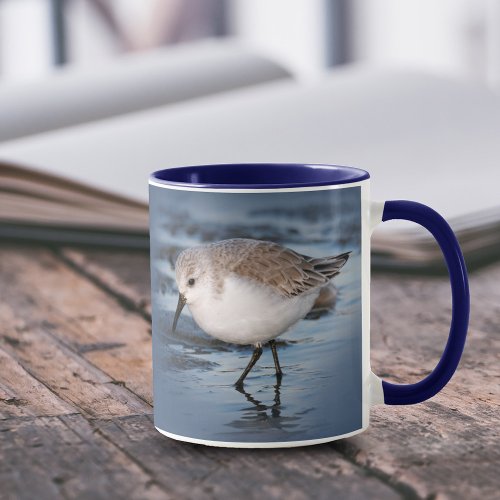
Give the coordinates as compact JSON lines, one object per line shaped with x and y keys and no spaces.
{"x":21,"y":395}
{"x":102,"y":348}
{"x":65,"y":457}
{"x":448,"y":445}
{"x":196,"y":471}
{"x":87,"y":312}
{"x":124,"y":275}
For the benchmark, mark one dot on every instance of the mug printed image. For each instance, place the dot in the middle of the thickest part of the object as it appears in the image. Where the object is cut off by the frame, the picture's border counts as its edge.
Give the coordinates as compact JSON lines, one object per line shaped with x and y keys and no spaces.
{"x":257,"y":314}
{"x":260,"y":284}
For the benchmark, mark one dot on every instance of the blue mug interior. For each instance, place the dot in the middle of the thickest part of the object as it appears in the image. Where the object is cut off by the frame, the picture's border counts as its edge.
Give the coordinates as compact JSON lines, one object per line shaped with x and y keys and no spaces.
{"x":259,"y":175}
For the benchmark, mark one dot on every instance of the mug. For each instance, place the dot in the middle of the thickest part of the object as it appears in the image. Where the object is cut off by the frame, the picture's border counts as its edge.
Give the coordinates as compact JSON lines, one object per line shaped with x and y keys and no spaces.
{"x":260,"y":278}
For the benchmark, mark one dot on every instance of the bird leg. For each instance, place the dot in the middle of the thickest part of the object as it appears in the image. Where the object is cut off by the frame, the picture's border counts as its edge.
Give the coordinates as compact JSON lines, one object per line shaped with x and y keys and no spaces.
{"x":255,"y":357}
{"x":276,"y":408}
{"x":277,"y":366}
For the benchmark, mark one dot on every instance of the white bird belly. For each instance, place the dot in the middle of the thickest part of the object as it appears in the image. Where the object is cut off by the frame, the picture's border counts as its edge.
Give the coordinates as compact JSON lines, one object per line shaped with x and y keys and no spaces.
{"x":249,"y":313}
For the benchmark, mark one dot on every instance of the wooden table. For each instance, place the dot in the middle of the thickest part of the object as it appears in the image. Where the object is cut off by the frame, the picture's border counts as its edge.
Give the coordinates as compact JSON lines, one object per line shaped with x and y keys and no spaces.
{"x":75,"y":395}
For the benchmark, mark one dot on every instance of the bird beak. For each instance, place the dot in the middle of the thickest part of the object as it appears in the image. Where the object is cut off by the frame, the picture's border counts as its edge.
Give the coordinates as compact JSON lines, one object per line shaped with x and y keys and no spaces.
{"x":180,"y":304}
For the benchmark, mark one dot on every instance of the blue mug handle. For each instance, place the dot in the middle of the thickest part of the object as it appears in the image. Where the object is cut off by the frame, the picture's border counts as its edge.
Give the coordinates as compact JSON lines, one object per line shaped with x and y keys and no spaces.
{"x":404,"y":394}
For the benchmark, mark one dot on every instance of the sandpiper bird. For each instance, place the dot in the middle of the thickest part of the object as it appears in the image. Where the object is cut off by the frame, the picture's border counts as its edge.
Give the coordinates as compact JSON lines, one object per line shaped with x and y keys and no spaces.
{"x":245,"y":291}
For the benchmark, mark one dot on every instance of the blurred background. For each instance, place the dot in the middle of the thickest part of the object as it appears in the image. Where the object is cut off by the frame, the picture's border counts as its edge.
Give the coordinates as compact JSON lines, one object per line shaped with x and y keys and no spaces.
{"x":457,"y":37}
{"x":99,"y":93}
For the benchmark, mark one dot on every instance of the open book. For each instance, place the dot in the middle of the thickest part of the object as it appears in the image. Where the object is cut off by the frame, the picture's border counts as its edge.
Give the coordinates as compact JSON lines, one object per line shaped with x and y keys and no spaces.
{"x":421,"y":137}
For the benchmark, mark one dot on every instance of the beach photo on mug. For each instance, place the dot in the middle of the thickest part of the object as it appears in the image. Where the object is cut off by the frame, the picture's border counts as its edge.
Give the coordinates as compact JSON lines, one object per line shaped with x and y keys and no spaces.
{"x":256,"y":301}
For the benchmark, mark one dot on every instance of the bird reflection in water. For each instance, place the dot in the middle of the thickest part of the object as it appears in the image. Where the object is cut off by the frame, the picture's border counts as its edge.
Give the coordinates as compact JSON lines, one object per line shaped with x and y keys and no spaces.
{"x":261,"y":408}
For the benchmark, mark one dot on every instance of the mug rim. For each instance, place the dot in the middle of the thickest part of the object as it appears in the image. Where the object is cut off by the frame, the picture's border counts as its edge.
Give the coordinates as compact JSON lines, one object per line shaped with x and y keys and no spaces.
{"x":258,"y":175}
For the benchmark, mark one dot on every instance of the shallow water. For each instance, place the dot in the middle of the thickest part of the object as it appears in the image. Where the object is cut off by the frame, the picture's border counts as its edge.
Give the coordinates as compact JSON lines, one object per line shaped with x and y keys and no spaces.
{"x":194,"y":374}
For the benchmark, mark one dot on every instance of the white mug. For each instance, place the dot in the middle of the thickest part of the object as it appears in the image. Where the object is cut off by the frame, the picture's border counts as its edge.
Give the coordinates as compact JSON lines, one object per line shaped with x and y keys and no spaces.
{"x":260,"y":280}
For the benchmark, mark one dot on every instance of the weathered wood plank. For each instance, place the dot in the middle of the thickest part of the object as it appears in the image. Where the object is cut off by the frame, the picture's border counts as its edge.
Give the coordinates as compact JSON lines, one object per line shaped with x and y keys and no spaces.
{"x":76,"y":317}
{"x":22,"y":395}
{"x":416,"y":449}
{"x":448,"y":445}
{"x":125,"y":274}
{"x":34,"y":322}
{"x":67,"y":374}
{"x":192,"y":471}
{"x":64,"y":457}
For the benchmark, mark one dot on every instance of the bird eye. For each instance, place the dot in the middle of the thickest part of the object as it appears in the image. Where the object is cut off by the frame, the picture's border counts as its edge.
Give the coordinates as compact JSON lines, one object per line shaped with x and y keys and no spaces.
{"x":191,"y":281}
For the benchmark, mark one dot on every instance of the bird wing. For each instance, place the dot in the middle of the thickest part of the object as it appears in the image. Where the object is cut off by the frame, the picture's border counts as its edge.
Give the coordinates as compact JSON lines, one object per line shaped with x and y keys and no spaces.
{"x":329,"y":266}
{"x":288,"y":272}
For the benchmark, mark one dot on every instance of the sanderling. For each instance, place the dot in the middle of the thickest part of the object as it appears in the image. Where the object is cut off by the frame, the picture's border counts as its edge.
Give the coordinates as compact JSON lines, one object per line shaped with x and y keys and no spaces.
{"x":245,"y":291}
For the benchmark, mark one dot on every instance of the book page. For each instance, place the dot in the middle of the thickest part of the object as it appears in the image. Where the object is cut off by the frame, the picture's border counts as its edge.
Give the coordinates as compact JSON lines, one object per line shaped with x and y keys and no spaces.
{"x":425,"y":138}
